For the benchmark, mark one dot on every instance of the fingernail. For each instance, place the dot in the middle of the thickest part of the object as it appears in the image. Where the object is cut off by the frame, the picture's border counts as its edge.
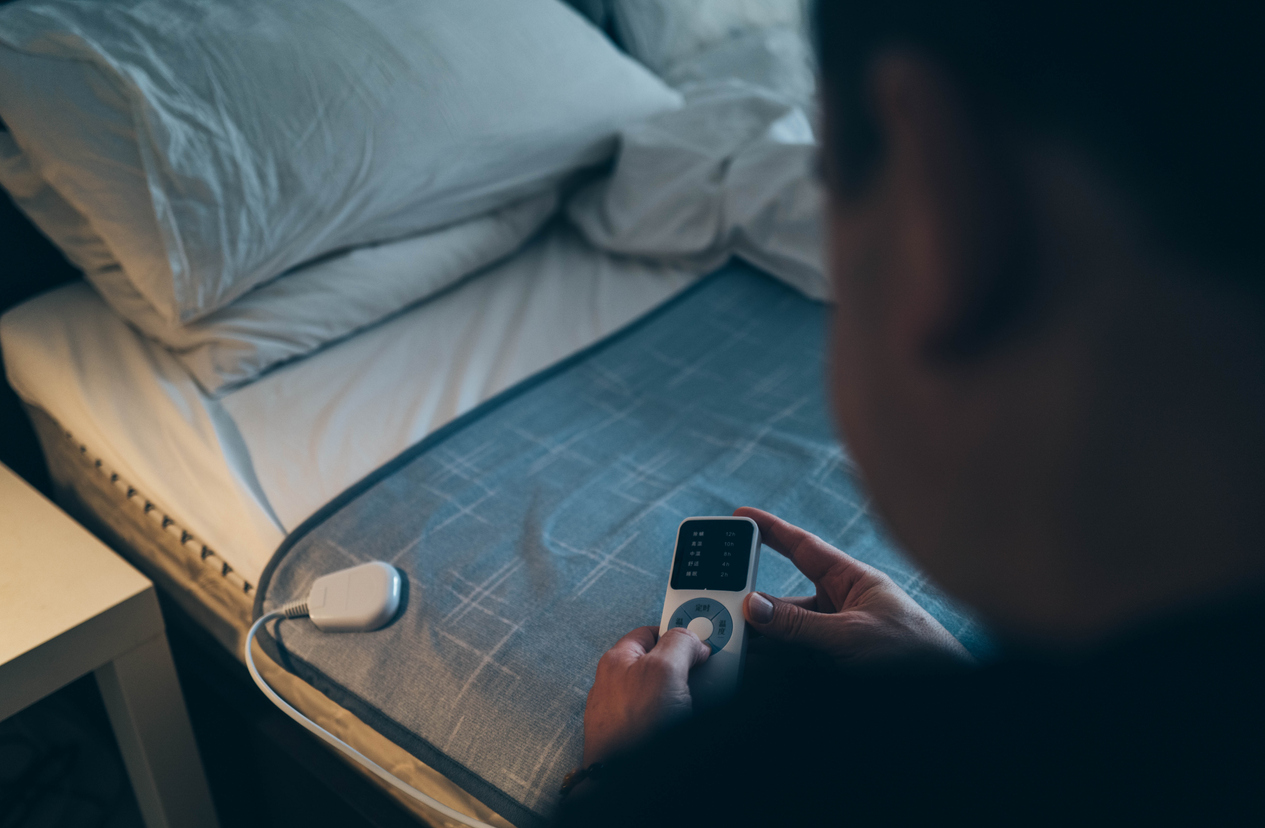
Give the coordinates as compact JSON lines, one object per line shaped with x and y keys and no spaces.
{"x":761,"y":608}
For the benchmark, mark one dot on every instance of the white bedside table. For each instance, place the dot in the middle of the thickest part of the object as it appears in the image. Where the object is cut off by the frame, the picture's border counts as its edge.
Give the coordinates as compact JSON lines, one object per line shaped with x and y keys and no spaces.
{"x":70,"y":606}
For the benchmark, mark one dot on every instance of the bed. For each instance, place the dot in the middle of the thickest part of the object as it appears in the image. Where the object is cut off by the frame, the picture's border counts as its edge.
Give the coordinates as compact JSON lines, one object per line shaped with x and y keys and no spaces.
{"x":199,"y":473}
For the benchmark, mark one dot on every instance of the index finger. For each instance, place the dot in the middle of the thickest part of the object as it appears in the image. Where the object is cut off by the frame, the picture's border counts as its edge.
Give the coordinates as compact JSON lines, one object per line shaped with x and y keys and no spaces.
{"x":810,"y":554}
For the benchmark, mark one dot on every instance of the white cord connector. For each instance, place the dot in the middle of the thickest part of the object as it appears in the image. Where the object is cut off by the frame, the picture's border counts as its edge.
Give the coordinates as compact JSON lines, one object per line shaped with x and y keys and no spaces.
{"x":294,"y":609}
{"x":359,"y":599}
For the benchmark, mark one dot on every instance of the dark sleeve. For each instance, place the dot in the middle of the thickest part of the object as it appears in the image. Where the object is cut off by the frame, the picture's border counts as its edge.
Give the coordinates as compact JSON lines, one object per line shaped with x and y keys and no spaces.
{"x":835,"y":754}
{"x":1166,"y":729}
{"x":716,"y":770}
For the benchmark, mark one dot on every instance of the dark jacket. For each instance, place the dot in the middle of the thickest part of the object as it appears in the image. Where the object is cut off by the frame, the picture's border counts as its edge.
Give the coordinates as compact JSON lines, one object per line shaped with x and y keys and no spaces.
{"x":1164,"y":726}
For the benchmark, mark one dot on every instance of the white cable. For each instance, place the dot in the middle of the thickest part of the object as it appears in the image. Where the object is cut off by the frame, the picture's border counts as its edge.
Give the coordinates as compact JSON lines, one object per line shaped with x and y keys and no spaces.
{"x":299,"y":609}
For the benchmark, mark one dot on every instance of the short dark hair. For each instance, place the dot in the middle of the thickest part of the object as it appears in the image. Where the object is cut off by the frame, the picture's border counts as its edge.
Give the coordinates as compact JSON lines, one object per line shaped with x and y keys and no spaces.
{"x":1167,"y":97}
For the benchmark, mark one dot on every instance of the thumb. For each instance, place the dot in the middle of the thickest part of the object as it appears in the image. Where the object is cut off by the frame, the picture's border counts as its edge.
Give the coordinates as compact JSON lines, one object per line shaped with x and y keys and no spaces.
{"x":783,"y":620}
{"x":681,"y":650}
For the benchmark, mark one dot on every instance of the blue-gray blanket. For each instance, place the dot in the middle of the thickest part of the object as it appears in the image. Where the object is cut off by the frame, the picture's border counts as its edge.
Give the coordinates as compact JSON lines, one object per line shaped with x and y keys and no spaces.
{"x":538,"y":529}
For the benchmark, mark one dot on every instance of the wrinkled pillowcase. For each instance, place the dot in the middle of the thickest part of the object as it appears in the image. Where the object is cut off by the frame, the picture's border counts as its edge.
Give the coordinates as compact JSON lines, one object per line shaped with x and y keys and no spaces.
{"x":199,"y":150}
{"x":332,"y":298}
{"x":312,"y":306}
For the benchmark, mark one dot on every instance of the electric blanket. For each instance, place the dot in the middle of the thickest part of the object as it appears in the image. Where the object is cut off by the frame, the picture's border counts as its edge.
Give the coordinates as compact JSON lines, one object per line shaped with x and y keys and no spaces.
{"x":537,"y":529}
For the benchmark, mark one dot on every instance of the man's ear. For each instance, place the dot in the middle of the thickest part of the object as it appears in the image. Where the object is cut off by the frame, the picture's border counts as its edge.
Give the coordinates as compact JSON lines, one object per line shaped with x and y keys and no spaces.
{"x":953,"y":214}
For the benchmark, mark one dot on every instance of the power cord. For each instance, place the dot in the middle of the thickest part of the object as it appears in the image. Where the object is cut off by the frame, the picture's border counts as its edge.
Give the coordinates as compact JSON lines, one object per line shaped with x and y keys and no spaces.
{"x":362,"y":598}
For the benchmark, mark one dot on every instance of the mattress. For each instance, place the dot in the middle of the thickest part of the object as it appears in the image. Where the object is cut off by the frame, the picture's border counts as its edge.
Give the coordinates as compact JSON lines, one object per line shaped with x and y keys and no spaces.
{"x":241,"y":470}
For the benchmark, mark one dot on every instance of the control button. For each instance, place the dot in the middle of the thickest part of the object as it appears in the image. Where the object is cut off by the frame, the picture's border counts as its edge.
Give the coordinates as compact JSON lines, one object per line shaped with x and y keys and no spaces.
{"x":701,"y":627}
{"x":709,"y":620}
{"x":703,"y":608}
{"x":722,"y":629}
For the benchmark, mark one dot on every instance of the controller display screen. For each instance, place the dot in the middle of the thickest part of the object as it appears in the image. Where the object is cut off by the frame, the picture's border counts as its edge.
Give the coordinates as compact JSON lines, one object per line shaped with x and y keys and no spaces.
{"x":712,"y":554}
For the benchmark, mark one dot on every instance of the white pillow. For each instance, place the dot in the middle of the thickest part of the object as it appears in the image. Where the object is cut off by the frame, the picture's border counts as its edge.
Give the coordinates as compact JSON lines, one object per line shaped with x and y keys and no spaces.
{"x":338,"y":295}
{"x":301,"y":311}
{"x":212,"y":146}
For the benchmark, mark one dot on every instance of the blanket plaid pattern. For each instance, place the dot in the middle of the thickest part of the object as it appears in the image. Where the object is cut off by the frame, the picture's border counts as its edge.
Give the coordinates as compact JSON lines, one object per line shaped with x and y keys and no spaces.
{"x":538,"y":529}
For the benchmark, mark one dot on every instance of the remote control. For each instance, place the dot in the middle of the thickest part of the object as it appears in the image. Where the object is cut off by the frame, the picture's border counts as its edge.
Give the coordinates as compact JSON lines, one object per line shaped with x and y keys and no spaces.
{"x":713,"y":569}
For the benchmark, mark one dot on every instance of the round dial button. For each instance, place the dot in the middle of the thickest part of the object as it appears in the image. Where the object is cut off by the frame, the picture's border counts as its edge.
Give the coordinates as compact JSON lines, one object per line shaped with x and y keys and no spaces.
{"x":701,"y":627}
{"x":708,"y":619}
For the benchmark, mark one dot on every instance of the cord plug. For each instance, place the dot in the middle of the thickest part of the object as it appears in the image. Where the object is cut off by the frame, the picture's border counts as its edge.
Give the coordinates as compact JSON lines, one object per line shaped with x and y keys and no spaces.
{"x":360,"y":599}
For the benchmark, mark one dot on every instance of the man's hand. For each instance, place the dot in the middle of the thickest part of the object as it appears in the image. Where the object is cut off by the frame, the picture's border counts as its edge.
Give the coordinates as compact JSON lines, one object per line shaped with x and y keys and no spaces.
{"x":640,"y":687}
{"x":858,"y":615}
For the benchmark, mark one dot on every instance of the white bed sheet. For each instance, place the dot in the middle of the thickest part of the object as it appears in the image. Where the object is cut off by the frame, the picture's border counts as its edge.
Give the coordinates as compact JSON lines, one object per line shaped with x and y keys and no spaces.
{"x":243,"y":470}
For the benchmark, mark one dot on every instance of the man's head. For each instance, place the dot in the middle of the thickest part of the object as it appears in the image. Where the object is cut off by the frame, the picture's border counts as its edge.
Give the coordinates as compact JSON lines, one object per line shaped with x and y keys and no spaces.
{"x":1048,"y":350}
